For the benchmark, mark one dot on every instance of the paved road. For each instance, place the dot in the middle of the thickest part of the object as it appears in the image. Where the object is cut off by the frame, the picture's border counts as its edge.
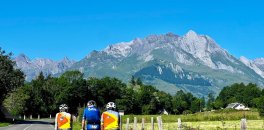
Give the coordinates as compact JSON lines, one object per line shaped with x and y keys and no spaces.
{"x":31,"y":125}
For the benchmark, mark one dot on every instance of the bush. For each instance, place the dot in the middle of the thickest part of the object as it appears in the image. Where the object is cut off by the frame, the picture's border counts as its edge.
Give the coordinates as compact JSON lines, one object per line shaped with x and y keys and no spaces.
{"x":186,"y":112}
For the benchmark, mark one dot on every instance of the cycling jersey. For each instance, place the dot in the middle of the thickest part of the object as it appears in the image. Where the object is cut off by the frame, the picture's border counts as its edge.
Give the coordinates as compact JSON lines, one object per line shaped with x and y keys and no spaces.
{"x":63,"y":121}
{"x":92,"y":117}
{"x":110,"y":120}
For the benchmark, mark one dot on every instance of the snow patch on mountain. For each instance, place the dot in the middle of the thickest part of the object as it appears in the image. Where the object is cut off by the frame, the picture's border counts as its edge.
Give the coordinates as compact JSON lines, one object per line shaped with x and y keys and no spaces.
{"x":176,"y":68}
{"x":160,"y":70}
{"x":148,"y":58}
{"x":222,"y":66}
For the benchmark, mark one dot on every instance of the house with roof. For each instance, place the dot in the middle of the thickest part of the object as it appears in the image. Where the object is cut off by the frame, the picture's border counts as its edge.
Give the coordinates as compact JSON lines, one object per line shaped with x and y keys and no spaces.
{"x":237,"y":106}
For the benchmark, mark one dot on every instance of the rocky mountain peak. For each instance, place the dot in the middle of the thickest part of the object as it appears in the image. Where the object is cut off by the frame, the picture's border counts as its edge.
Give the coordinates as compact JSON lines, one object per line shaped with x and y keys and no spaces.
{"x":244,"y":60}
{"x":22,"y":58}
{"x":32,"y":68}
{"x":191,"y":35}
{"x":170,"y":34}
{"x":120,"y":49}
{"x":259,"y":61}
{"x":252,"y":65}
{"x":66,"y":60}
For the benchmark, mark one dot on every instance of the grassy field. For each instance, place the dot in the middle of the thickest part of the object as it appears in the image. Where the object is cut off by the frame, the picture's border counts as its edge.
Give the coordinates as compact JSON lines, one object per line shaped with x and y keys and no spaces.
{"x":224,"y":119}
{"x":225,"y":115}
{"x":206,"y":125}
{"x":201,"y":125}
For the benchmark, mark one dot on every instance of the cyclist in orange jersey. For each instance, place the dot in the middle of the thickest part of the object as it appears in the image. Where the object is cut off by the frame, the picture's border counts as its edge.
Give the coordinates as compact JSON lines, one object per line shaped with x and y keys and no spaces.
{"x":110,"y":119}
{"x":63,"y":120}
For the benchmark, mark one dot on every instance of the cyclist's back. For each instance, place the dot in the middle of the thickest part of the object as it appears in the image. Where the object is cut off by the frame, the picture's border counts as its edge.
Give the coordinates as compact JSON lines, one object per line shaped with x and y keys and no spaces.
{"x":63,"y":120}
{"x":91,"y":118}
{"x":110,"y":119}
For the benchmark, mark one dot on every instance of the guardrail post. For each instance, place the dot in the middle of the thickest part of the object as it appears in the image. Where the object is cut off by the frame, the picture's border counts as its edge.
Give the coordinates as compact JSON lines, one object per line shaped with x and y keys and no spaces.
{"x":135,"y":123}
{"x":159,"y":120}
{"x":127,"y":124}
{"x":152,"y":123}
{"x":143,"y":124}
{"x":243,"y":124}
{"x":120,"y":122}
{"x":179,"y":124}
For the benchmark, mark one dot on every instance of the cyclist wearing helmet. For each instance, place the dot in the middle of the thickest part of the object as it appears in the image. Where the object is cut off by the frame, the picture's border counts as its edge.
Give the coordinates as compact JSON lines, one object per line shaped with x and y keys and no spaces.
{"x":110,"y":119}
{"x":63,"y":120}
{"x":91,"y":117}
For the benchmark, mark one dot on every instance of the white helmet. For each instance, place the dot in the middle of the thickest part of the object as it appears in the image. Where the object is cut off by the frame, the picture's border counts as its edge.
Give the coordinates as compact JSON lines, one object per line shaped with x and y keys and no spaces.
{"x":91,"y":103}
{"x":63,"y":107}
{"x":110,"y":105}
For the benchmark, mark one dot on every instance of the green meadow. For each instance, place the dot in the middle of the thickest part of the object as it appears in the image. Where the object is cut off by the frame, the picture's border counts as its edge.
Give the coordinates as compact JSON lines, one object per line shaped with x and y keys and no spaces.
{"x":213,"y":120}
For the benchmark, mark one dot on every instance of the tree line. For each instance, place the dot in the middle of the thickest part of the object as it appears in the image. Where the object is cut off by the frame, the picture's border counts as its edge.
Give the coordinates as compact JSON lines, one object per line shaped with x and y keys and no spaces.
{"x":44,"y":95}
{"x":250,"y":95}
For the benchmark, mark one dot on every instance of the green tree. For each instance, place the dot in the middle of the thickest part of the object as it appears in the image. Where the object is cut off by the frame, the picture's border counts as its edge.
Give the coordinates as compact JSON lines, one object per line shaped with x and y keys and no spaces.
{"x":139,"y":81}
{"x":239,"y":93}
{"x":15,"y":103}
{"x":10,"y":78}
{"x":196,"y":105}
{"x":182,"y":102}
{"x":129,"y":102}
{"x":210,"y":102}
{"x":133,"y":81}
{"x":260,"y":104}
{"x":105,"y":90}
{"x":72,"y":75}
{"x":164,"y":100}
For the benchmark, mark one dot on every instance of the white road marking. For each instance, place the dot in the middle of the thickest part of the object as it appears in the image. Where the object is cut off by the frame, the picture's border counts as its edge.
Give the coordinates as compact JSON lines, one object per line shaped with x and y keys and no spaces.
{"x":28,"y":127}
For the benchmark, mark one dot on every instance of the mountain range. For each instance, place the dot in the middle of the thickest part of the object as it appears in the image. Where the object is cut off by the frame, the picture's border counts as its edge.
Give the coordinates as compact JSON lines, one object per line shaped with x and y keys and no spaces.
{"x":32,"y":68}
{"x":193,"y":63}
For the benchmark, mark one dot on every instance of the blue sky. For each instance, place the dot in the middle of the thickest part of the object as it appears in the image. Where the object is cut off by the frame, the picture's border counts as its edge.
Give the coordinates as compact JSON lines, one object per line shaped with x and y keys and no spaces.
{"x":58,"y":28}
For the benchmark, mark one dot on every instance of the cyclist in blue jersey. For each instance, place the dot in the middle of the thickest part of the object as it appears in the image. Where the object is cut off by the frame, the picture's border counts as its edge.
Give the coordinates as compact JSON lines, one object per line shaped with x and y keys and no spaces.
{"x":91,"y":117}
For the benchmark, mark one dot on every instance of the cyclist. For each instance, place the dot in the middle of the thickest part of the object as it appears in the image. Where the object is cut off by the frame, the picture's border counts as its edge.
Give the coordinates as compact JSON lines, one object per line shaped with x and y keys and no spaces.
{"x":63,"y":120}
{"x":110,"y":119}
{"x":91,"y":117}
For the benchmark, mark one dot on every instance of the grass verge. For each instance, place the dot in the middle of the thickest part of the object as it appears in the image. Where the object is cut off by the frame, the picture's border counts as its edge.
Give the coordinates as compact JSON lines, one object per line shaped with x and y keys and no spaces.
{"x":3,"y":124}
{"x":77,"y":126}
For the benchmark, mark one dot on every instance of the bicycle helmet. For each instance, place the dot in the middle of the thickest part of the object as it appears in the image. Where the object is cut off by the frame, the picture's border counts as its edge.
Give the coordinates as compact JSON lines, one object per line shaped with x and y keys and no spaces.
{"x":110,"y":106}
{"x":63,"y":107}
{"x":91,"y":103}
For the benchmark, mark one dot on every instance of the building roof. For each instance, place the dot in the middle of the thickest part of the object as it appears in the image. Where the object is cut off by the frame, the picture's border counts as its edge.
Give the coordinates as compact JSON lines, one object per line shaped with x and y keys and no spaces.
{"x":233,"y":105}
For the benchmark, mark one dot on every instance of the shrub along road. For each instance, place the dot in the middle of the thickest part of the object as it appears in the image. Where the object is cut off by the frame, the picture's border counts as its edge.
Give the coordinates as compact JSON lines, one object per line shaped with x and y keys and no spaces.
{"x":31,"y":125}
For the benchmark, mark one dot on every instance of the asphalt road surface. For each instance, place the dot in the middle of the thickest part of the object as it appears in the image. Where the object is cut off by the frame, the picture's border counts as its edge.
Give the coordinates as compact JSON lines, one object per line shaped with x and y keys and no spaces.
{"x":31,"y":125}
